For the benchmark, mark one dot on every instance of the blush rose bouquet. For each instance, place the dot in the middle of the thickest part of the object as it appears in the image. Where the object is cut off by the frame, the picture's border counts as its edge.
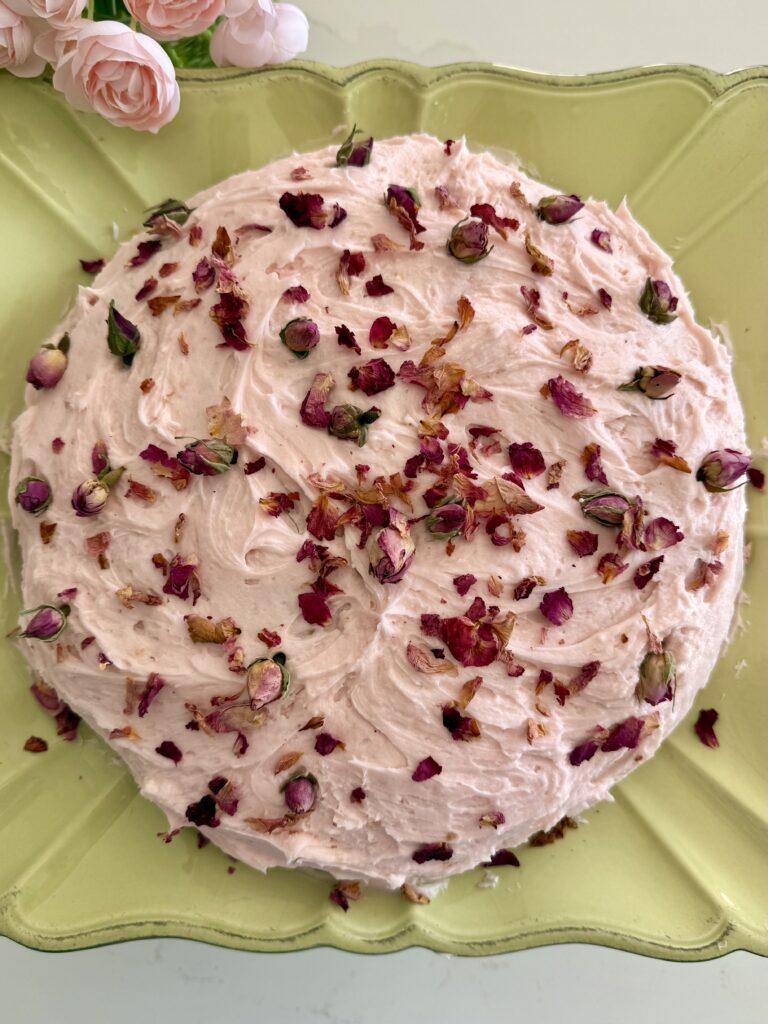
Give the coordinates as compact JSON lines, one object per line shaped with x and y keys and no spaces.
{"x":119,"y":59}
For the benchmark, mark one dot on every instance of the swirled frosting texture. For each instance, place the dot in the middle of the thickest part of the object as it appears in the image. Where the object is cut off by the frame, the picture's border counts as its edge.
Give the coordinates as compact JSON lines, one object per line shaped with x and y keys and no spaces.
{"x":354,"y":671}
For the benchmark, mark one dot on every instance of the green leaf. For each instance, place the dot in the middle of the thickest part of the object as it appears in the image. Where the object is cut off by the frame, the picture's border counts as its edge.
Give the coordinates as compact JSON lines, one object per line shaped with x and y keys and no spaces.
{"x":193,"y":52}
{"x":110,"y":10}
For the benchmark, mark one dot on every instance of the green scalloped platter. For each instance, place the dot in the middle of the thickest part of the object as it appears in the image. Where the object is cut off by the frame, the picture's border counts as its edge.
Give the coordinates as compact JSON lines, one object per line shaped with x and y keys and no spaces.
{"x":676,"y":867}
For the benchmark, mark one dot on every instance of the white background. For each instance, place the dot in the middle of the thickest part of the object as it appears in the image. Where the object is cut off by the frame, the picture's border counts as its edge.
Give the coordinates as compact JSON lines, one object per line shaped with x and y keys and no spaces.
{"x":171,"y":981}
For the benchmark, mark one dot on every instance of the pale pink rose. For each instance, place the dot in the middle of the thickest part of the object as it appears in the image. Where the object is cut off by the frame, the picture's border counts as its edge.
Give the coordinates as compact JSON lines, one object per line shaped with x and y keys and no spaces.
{"x":121,"y":74}
{"x":175,"y":19}
{"x":57,"y":12}
{"x":260,"y":37}
{"x":53,"y":44}
{"x":17,"y":36}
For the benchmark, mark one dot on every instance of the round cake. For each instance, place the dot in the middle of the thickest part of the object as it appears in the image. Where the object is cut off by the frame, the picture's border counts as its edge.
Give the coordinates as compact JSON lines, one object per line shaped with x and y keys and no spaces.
{"x":373,"y":508}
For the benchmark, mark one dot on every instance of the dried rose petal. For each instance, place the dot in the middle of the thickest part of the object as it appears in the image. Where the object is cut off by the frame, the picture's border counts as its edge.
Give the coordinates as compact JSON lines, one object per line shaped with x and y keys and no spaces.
{"x":720,"y":470}
{"x":583,"y":752}
{"x":372,"y":377}
{"x":354,"y":154}
{"x":152,"y":687}
{"x":468,"y":240}
{"x":756,"y":478}
{"x":300,"y":794}
{"x":645,"y":572}
{"x":169,"y":749}
{"x":345,"y":891}
{"x":314,"y":609}
{"x":704,"y":727}
{"x":300,"y":336}
{"x":203,"y":813}
{"x":526,"y":586}
{"x":604,"y":506}
{"x":204,"y":275}
{"x":164,"y":465}
{"x":426,"y":769}
{"x":601,"y":239}
{"x":542,"y":264}
{"x":487,"y":214}
{"x":351,"y":264}
{"x":347,"y":339}
{"x":657,"y":302}
{"x":296,"y":293}
{"x":47,"y":622}
{"x":610,"y":566}
{"x":556,"y":606}
{"x":704,"y":574}
{"x":313,"y":412}
{"x":377,"y":287}
{"x":350,"y":423}
{"x":255,"y":466}
{"x":568,"y":400}
{"x":325,"y":744}
{"x":593,"y":466}
{"x":526,"y":461}
{"x":532,"y":299}
{"x":57,"y":445}
{"x":558,"y":209}
{"x":381,"y":330}
{"x":461,"y":727}
{"x":583,"y":542}
{"x":123,"y":337}
{"x":307,"y":210}
{"x":661,"y":533}
{"x":664,"y":452}
{"x":205,"y":631}
{"x":464,"y":583}
{"x":656,"y":382}
{"x":228,"y":314}
{"x":432,"y":851}
{"x":277,"y":502}
{"x":404,"y":204}
{"x":625,"y":735}
{"x":35,"y":744}
{"x":92,"y":266}
{"x":606,"y":299}
{"x":33,"y":495}
{"x":500,"y":859}
{"x":145,"y":251}
{"x":424,"y":660}
{"x":46,"y":369}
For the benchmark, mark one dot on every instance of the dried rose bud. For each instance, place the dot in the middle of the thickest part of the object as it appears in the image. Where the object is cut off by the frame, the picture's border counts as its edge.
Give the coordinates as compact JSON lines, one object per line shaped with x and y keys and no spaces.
{"x":354,"y":154}
{"x":351,"y":424}
{"x":172,"y":209}
{"x":658,"y":673}
{"x":33,"y":494}
{"x":300,"y":793}
{"x":267,"y":680}
{"x":602,"y":239}
{"x":447,"y":519}
{"x":391,"y":549}
{"x":47,"y":622}
{"x":720,"y":470}
{"x":207,"y":457}
{"x":468,"y":240}
{"x":604,"y":506}
{"x":46,"y":369}
{"x":123,"y":337}
{"x":658,"y":303}
{"x":300,"y":336}
{"x":90,"y":497}
{"x":558,"y":209}
{"x":657,"y":382}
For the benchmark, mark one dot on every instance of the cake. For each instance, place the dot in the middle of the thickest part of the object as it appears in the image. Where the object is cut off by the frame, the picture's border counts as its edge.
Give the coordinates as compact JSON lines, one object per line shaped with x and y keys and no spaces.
{"x":378,"y":508}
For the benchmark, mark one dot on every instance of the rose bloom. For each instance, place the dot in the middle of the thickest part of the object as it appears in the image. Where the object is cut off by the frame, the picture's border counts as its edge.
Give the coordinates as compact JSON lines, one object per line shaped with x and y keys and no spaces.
{"x":57,"y":12}
{"x":121,"y":74}
{"x":175,"y":19}
{"x":17,"y":36}
{"x":265,"y":34}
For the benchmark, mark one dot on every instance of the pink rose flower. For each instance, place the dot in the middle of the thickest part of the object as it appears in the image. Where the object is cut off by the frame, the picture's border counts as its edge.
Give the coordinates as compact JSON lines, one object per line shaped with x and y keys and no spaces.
{"x":121,"y":74}
{"x":175,"y":19}
{"x":17,"y":36}
{"x":57,"y":12}
{"x":265,"y":34}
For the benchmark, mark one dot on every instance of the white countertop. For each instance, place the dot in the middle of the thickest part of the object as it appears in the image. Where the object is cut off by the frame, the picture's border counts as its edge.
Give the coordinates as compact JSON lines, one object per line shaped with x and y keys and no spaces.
{"x":169,"y":980}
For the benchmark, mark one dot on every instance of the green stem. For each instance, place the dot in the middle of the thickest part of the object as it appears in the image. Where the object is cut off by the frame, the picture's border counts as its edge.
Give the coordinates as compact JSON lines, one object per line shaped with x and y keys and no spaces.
{"x":89,"y":12}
